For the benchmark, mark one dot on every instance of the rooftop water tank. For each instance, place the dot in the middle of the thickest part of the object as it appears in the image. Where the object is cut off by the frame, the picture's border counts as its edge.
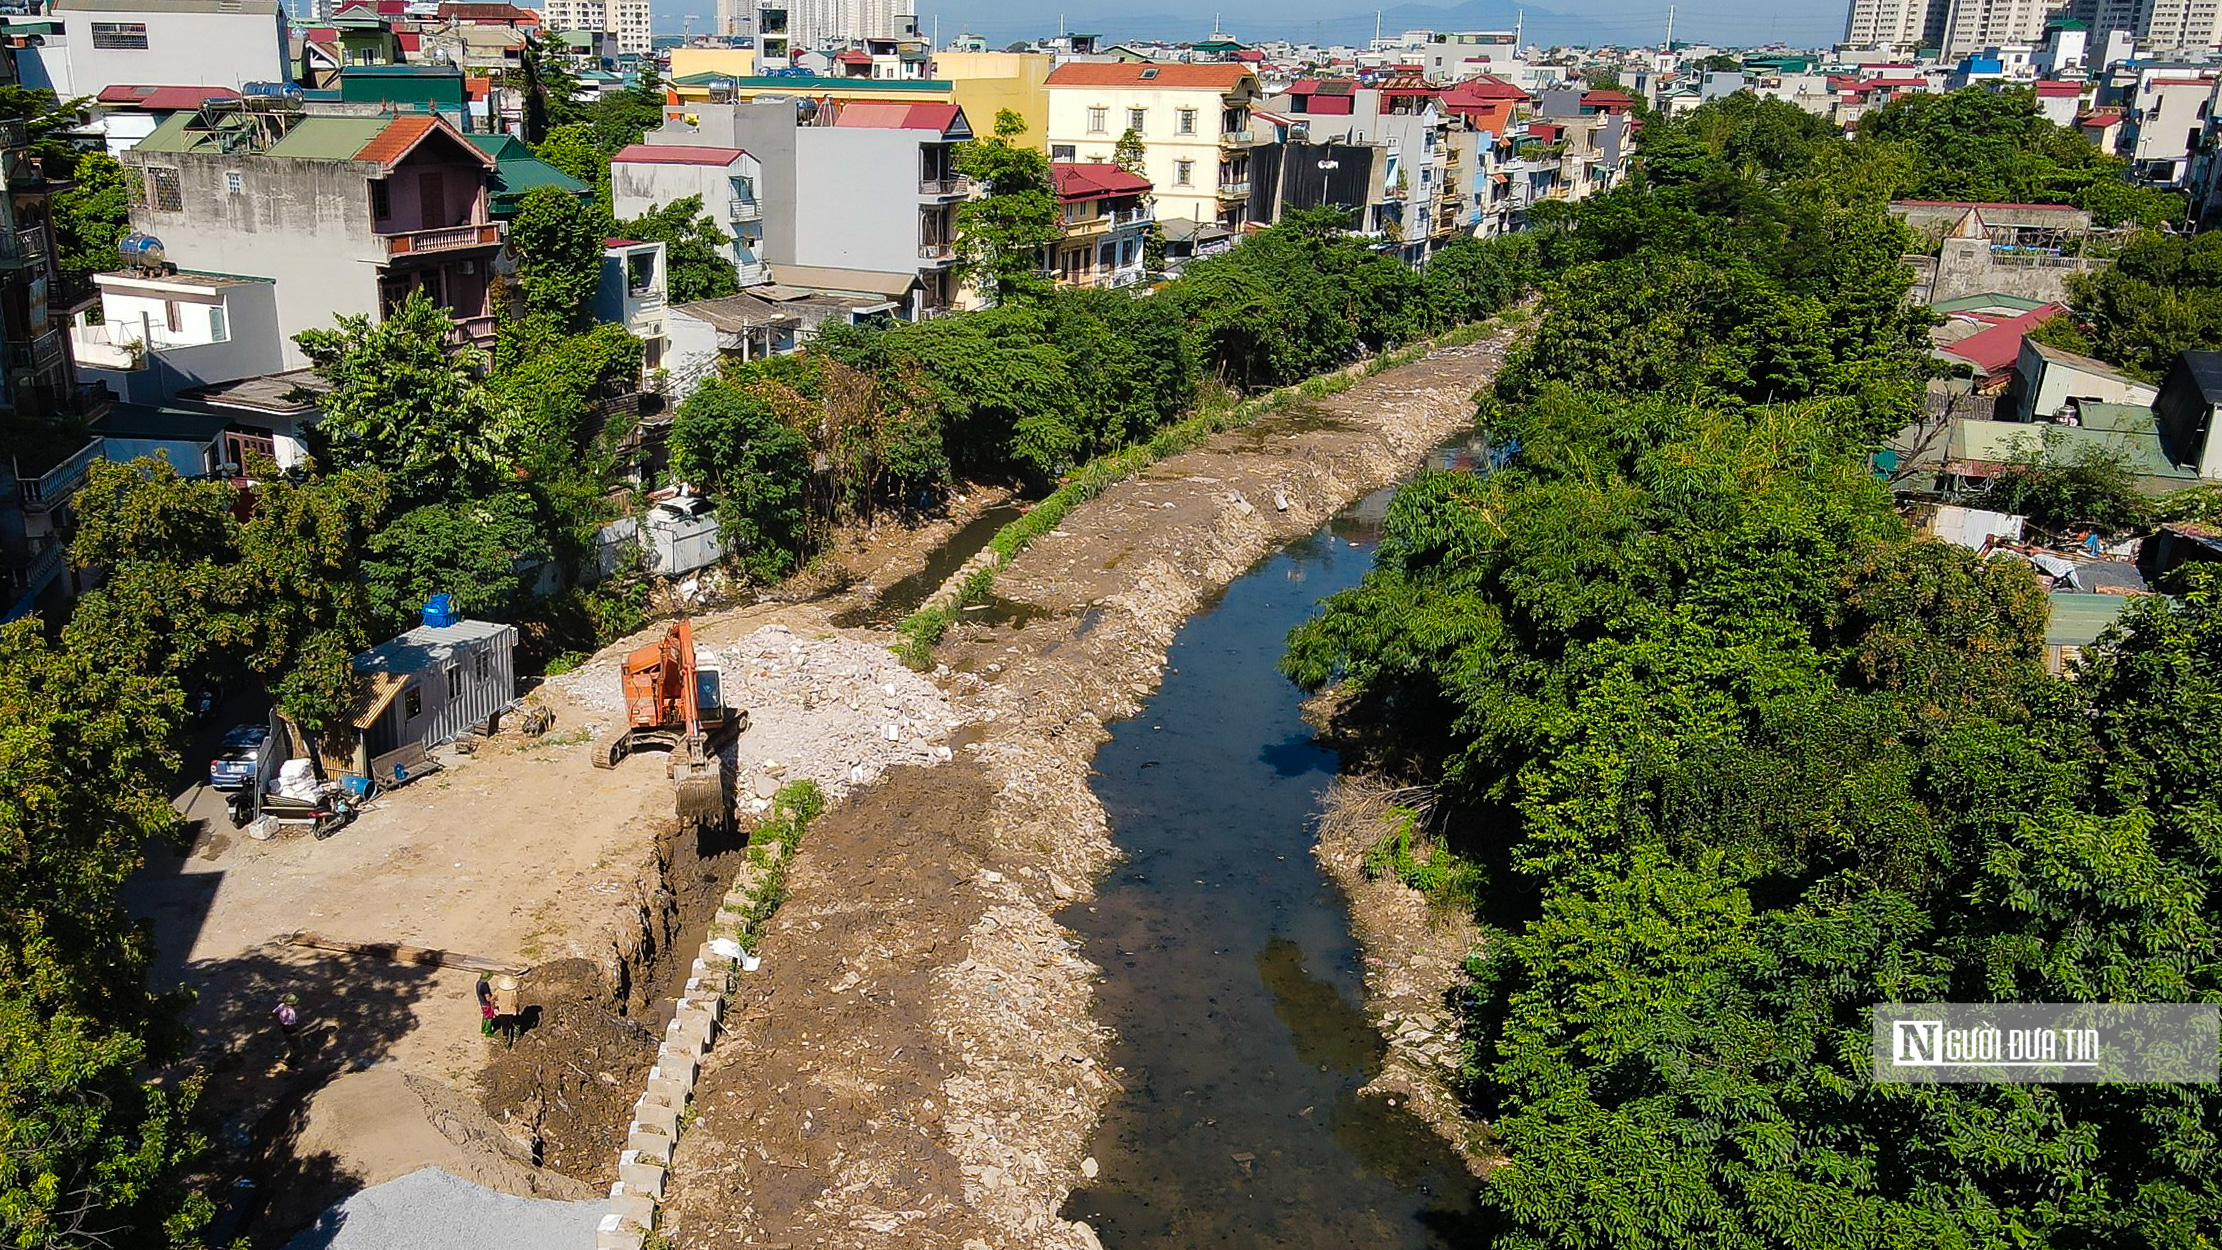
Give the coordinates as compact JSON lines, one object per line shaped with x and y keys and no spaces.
{"x":141,"y":251}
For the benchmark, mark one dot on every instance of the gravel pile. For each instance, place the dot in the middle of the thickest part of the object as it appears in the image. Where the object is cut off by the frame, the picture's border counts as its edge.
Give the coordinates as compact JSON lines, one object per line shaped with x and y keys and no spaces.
{"x":429,"y":1207}
{"x":836,"y":711}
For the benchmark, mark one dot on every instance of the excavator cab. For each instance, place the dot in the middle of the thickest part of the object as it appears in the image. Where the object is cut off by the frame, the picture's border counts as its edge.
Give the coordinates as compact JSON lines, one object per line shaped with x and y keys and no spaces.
{"x":674,"y":704}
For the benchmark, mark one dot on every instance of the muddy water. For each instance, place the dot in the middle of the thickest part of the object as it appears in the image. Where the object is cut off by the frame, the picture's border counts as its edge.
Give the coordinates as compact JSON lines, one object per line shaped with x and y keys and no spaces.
{"x":902,"y":597}
{"x":1230,"y":972}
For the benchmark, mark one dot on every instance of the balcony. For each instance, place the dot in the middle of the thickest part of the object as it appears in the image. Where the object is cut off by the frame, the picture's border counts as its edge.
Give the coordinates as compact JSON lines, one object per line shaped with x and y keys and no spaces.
{"x":938,"y":253}
{"x":31,"y":242}
{"x":1238,"y":189}
{"x":41,"y":355}
{"x":450,"y":239}
{"x":52,"y":489}
{"x":744,"y":210}
{"x":1237,"y":138}
{"x":945,"y":188}
{"x":474,"y":332}
{"x":14,"y":134}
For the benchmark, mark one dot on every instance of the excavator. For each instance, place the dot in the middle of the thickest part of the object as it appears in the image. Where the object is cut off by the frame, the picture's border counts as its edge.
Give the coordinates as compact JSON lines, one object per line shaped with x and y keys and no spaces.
{"x":674,"y":704}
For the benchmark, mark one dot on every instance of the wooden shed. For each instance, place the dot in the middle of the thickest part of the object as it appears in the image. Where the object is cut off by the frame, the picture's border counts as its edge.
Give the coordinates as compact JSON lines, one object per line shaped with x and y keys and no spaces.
{"x":430,"y":685}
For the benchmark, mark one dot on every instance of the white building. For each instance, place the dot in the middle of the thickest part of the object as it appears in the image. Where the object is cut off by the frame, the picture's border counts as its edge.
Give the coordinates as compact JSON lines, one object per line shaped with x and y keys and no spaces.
{"x":1973,"y":25}
{"x":634,"y":294}
{"x":1896,"y":25}
{"x":160,"y":333}
{"x":181,"y":43}
{"x":629,"y":20}
{"x":648,"y":176}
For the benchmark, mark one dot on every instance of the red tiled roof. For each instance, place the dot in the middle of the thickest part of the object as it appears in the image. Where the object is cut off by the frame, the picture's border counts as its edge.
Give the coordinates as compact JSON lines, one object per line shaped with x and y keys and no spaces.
{"x":451,"y":11}
{"x":2181,"y":82}
{"x":322,"y":34}
{"x":410,"y":40}
{"x":162,"y":99}
{"x":1607,"y":99}
{"x":899,"y":115}
{"x":853,"y":57}
{"x":1082,"y":180}
{"x":2049,"y":90}
{"x":676,"y":154}
{"x":608,"y":243}
{"x":400,"y":134}
{"x":1996,"y":348}
{"x":1224,"y":75}
{"x":1483,"y":89}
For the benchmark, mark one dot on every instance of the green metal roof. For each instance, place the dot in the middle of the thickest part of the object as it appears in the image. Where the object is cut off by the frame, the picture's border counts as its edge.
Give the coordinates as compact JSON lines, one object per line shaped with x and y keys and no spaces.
{"x":2077,"y":620}
{"x":517,"y":172}
{"x":312,"y":138}
{"x":2126,"y":429}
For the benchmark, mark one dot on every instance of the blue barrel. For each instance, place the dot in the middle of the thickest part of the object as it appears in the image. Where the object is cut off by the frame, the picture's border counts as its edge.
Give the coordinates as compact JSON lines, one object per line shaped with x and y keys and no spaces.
{"x":439,"y":611}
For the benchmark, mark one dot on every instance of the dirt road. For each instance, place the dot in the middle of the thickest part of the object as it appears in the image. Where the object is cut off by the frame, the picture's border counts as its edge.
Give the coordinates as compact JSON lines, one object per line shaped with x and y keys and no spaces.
{"x":915,"y":1064}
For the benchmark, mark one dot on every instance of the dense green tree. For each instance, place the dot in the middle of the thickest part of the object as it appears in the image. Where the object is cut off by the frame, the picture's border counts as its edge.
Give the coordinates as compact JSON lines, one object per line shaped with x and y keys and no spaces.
{"x":698,"y":259}
{"x":559,"y":242}
{"x":487,"y":553}
{"x":1003,"y":234}
{"x":91,"y":217}
{"x":550,"y":381}
{"x":404,"y":403}
{"x":732,"y":443}
{"x":96,"y":1150}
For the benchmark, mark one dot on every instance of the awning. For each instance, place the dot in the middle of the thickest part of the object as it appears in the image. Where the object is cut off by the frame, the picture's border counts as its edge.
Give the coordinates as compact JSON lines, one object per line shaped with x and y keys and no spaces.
{"x":858,"y":281}
{"x":384,"y":687}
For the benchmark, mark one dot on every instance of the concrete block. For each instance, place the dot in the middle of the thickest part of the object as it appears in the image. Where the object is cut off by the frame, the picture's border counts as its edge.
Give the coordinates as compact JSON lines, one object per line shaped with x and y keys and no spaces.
{"x":687,"y":1037}
{"x":649,"y":1145}
{"x":681,"y":1070}
{"x":709,"y":1006}
{"x":656,"y":1117}
{"x":613,"y":1234}
{"x":638,"y":1210}
{"x":706,"y":959}
{"x":641,"y":1176}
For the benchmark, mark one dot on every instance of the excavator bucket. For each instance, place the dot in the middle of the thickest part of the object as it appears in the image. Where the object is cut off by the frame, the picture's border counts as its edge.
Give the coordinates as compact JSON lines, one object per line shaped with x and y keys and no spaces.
{"x":701,"y":792}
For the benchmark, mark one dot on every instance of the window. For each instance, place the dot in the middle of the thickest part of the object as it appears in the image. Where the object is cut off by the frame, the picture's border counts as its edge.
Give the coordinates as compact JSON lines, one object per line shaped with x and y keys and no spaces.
{"x":454,"y":682}
{"x":412,"y":704}
{"x":234,"y":184}
{"x":1148,"y":74}
{"x":1062,"y":152}
{"x":120,"y":35}
{"x":381,"y":201}
{"x":219,"y":330}
{"x":1099,"y":117}
{"x":1187,"y":119}
{"x":484,"y":665}
{"x":163,"y":192}
{"x":640,"y":272}
{"x":1134,"y":119}
{"x":173,"y":316}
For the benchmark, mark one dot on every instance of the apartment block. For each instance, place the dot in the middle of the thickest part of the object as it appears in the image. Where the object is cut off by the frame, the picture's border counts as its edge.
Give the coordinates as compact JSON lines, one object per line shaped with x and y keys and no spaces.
{"x":181,"y":43}
{"x":1973,"y":25}
{"x":630,"y":20}
{"x":1899,"y":26}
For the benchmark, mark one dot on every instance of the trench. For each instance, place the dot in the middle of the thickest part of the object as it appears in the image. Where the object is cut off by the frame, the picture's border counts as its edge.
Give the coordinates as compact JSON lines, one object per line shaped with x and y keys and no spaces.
{"x":1230,"y":972}
{"x":904,"y":595}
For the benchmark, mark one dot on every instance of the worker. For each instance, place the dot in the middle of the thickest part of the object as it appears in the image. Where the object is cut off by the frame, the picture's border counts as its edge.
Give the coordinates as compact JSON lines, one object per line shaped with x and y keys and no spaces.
{"x":485,"y":1008}
{"x":288,"y":1015}
{"x":508,"y":1016}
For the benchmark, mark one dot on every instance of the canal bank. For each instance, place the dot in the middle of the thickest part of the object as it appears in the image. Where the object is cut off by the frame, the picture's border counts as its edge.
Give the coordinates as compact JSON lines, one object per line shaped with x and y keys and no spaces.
{"x":927,"y":1061}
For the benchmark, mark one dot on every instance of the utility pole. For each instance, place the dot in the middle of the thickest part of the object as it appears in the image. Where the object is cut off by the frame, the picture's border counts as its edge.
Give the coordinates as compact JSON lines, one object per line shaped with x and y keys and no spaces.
{"x":1669,"y":49}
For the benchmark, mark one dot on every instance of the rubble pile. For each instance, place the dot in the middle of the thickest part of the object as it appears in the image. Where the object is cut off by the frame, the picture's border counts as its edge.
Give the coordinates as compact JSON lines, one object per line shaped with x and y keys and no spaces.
{"x":834,"y":710}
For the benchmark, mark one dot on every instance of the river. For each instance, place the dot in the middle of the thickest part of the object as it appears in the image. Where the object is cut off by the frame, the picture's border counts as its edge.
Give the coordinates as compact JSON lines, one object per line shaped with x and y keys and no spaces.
{"x":1229,"y":969}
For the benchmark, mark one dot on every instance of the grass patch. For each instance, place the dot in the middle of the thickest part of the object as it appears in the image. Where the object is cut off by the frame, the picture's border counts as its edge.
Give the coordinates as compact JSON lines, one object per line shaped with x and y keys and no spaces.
{"x":793,"y":808}
{"x":919,"y":633}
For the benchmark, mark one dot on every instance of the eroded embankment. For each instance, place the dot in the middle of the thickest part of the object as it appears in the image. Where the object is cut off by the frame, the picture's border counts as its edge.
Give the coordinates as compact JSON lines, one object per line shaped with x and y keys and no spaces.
{"x":917,"y":1063}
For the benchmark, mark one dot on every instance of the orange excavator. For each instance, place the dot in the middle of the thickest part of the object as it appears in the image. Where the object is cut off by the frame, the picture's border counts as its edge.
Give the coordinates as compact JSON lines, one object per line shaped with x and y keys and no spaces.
{"x":674,"y":704}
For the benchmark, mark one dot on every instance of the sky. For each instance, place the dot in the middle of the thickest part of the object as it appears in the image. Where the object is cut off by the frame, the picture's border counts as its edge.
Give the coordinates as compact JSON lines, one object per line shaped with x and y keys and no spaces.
{"x":1731,"y":22}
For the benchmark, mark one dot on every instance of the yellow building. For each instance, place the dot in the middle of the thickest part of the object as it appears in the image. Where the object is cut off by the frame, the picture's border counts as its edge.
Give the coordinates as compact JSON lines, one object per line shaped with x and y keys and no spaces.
{"x":1193,"y":119}
{"x":988,"y":82}
{"x":703,"y":64}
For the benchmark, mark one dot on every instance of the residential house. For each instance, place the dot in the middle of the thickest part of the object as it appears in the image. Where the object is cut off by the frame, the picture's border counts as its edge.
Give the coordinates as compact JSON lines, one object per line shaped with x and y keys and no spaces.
{"x":1484,"y":102}
{"x":858,"y":199}
{"x":2188,"y":399}
{"x":161,"y":332}
{"x":1103,"y":215}
{"x":1427,"y":158}
{"x":633,"y":294}
{"x":2049,"y":381}
{"x":488,"y":14}
{"x":347,"y":214}
{"x":1193,"y":120}
{"x":38,"y":385}
{"x":756,"y":323}
{"x":985,"y":84}
{"x":2167,"y":116}
{"x":729,"y":182}
{"x":2059,"y":102}
{"x":357,"y":39}
{"x":193,"y":43}
{"x":817,"y":90}
{"x":518,"y":173}
{"x":2022,"y":249}
{"x":129,"y":112}
{"x":1993,"y":348}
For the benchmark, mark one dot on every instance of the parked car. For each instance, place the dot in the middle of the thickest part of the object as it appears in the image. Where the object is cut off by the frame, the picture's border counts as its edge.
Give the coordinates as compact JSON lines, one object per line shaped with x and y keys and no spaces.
{"x":234,"y":765}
